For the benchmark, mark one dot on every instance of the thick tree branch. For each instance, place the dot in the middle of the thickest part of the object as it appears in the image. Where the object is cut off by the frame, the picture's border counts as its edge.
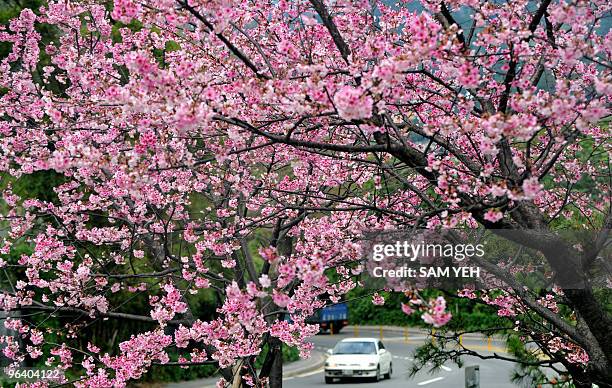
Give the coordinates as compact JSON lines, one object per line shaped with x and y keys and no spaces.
{"x":339,"y":41}
{"x":539,"y":15}
{"x":447,"y":19}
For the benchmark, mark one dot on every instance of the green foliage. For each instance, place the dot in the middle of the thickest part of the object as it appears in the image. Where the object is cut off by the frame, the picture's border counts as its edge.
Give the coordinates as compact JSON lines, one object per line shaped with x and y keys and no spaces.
{"x":159,"y":373}
{"x":467,"y":314}
{"x":39,"y":185}
{"x":431,"y":356}
{"x":471,"y":316}
{"x":363,"y":312}
{"x":134,"y":25}
{"x":517,"y":348}
{"x":11,"y":9}
{"x":290,"y":354}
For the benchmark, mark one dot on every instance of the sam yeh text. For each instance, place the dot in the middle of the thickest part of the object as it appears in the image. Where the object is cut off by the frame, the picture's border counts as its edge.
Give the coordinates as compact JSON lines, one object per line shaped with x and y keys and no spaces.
{"x":426,"y":272}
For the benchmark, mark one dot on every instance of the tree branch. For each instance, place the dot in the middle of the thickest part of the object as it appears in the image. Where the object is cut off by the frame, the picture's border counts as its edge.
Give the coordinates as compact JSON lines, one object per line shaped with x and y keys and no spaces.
{"x":344,"y":49}
{"x":235,"y":50}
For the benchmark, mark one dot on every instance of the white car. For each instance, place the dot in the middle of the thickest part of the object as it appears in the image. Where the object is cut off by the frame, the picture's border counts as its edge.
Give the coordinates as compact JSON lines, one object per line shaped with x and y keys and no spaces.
{"x":358,"y":358}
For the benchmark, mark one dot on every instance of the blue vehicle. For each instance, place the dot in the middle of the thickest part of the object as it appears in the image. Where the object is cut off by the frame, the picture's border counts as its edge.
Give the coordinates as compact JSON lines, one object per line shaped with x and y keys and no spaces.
{"x":332,"y":318}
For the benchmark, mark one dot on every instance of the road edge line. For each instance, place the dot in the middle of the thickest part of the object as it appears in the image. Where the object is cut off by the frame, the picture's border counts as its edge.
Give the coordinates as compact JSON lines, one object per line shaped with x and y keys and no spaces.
{"x":310,"y":368}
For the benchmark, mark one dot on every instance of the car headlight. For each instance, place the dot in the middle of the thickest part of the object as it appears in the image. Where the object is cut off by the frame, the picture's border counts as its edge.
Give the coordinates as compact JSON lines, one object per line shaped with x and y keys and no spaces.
{"x":372,"y":364}
{"x":329,"y":364}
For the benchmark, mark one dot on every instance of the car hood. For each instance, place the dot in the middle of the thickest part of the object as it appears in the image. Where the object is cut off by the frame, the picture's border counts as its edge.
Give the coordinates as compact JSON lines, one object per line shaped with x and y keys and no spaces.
{"x":352,"y":359}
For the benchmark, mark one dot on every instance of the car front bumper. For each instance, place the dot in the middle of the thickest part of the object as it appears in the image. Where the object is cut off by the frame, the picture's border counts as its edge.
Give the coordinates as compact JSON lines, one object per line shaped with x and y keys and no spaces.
{"x":347,"y":373}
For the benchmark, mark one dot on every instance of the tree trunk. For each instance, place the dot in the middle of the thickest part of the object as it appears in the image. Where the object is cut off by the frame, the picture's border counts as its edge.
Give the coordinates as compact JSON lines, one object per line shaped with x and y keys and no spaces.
{"x":596,"y":318}
{"x":273,"y":364}
{"x":580,"y":378}
{"x":276,"y":372}
{"x":237,"y":375}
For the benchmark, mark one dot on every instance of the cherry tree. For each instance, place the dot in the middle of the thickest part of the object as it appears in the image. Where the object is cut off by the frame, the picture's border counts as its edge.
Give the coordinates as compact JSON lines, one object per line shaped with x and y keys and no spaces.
{"x":242,"y":148}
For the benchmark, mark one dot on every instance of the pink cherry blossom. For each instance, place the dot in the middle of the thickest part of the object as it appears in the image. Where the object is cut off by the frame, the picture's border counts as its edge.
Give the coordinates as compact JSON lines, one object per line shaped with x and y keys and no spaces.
{"x":436,"y":314}
{"x":493,"y":215}
{"x":378,"y":299}
{"x":531,"y":188}
{"x":406,"y":309}
{"x":353,"y":103}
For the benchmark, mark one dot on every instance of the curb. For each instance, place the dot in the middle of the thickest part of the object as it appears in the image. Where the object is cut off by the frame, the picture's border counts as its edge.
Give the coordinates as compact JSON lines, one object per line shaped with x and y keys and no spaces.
{"x":418,"y":330}
{"x":309,"y":368}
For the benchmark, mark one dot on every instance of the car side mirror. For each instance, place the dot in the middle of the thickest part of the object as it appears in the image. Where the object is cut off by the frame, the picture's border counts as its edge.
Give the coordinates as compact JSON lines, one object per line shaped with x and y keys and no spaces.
{"x":382,"y":351}
{"x":330,"y":352}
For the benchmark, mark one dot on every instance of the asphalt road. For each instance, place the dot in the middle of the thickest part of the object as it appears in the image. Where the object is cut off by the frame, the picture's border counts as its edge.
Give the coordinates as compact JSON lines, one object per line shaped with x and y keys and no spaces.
{"x":493,"y":373}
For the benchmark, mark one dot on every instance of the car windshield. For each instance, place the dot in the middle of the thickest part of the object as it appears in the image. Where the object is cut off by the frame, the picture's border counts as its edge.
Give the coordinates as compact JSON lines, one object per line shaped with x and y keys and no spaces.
{"x":355,"y":348}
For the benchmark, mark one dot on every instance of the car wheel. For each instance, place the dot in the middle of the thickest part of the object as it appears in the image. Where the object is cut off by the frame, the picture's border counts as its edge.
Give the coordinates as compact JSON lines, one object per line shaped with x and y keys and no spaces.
{"x":329,"y":380}
{"x":377,"y":377}
{"x":388,"y":374}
